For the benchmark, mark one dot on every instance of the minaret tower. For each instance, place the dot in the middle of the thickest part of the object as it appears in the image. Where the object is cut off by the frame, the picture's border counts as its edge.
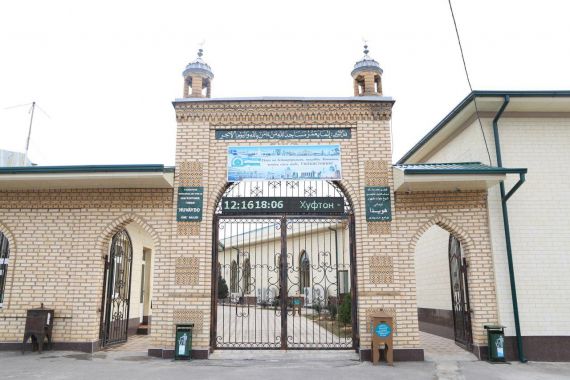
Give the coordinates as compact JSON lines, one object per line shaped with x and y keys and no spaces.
{"x":198,"y":78}
{"x":367,"y":76}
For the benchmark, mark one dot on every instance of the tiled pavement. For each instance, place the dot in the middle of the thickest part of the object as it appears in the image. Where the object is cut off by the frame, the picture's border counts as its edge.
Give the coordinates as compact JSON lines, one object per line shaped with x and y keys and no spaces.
{"x":438,"y":348}
{"x":449,"y":358}
{"x":444,"y":360}
{"x":135,"y":343}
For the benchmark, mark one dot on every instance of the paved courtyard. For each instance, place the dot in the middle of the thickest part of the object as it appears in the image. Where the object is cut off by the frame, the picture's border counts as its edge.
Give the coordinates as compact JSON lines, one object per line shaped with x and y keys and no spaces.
{"x":444,"y":360}
{"x":240,"y":325}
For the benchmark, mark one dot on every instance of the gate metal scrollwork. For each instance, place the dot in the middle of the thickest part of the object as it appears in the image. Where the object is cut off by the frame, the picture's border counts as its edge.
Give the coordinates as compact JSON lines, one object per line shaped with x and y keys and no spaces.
{"x":117,"y":285}
{"x":289,"y":275}
{"x":459,"y":294}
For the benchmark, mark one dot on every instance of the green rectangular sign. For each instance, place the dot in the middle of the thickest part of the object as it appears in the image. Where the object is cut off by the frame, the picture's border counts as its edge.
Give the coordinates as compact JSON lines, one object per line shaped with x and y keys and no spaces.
{"x":190,"y":202}
{"x":377,"y":201}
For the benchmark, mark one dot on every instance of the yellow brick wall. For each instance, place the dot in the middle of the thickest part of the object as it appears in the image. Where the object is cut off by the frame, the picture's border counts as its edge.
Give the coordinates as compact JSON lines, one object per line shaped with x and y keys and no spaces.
{"x":366,"y":160}
{"x":57,"y":243}
{"x":61,"y":236}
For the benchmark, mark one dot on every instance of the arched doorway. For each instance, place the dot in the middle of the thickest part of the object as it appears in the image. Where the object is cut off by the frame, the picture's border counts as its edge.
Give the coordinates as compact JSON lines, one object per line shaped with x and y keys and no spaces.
{"x":117,"y":290}
{"x":442,"y":290}
{"x":292,"y":244}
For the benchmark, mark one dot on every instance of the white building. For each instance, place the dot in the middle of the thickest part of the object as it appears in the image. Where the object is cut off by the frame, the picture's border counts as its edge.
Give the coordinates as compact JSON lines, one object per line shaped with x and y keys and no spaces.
{"x":522,"y":129}
{"x":9,"y":159}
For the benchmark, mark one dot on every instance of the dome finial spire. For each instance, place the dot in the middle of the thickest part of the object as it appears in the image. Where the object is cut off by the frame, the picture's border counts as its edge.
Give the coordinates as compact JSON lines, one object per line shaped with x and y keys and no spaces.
{"x":367,"y":75}
{"x":201,"y":49}
{"x":198,"y":77}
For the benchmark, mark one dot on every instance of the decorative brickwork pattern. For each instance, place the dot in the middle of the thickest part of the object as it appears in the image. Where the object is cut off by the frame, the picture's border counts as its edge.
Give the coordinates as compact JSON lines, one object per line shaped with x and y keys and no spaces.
{"x":377,"y":173}
{"x":188,"y":228}
{"x":190,"y":174}
{"x":436,"y":200}
{"x":82,"y":199}
{"x":187,"y":271}
{"x":379,"y":228}
{"x":381,"y":270}
{"x":281,"y":113}
{"x":190,"y":316}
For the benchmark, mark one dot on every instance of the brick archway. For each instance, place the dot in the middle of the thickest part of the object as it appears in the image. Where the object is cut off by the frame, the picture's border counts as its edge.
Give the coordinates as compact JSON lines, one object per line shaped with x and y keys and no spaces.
{"x":468,"y":222}
{"x":449,"y":226}
{"x":120,"y":223}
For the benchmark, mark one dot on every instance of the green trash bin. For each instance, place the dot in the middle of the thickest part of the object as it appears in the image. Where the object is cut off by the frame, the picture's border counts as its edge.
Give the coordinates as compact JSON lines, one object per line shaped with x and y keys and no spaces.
{"x":496,"y":343}
{"x":183,"y":344}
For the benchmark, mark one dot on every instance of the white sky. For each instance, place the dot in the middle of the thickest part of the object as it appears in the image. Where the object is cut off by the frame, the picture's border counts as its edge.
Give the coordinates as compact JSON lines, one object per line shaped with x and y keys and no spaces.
{"x":107,"y":71}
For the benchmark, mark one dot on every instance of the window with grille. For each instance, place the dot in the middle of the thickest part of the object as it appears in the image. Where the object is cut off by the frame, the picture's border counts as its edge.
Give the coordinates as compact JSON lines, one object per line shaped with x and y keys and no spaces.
{"x":4,"y":254}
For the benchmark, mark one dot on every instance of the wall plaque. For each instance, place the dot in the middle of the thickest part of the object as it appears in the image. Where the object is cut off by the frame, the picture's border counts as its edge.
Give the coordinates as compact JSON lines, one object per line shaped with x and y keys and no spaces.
{"x":284,"y":134}
{"x":377,"y":201}
{"x":190,"y":202}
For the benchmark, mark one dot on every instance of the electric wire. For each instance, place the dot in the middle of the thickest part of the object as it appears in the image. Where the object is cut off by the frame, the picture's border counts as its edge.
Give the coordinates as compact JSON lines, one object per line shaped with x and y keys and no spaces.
{"x":469,"y":82}
{"x":18,"y":105}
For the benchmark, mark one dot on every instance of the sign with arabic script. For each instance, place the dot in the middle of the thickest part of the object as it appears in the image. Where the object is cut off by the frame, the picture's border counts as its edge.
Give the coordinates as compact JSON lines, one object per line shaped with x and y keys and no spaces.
{"x":377,"y":201}
{"x":288,"y":162}
{"x":283,"y":134}
{"x":190,"y":203}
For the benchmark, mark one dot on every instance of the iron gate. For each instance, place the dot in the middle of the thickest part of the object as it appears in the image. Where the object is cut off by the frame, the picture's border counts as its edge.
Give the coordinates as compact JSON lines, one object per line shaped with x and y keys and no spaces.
{"x":117,"y":286}
{"x":289,"y":278}
{"x":459,"y":294}
{"x":4,"y":257}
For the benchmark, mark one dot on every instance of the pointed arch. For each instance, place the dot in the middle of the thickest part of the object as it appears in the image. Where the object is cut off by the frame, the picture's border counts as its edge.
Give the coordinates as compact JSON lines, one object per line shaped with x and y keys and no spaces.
{"x":120,"y":223}
{"x":453,"y":228}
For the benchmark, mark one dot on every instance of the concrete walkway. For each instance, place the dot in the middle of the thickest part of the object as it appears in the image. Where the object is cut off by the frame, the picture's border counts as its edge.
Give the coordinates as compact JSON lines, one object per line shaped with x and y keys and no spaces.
{"x":447,"y":357}
{"x":326,"y":365}
{"x":444,"y":360}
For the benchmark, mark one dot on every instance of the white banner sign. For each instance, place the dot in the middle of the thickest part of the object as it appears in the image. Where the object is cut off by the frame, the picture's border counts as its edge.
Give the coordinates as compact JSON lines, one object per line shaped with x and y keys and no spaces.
{"x":284,"y":162}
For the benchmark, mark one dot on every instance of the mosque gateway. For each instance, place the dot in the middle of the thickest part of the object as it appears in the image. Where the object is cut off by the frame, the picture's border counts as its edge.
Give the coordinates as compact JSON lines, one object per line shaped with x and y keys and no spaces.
{"x":283,"y":225}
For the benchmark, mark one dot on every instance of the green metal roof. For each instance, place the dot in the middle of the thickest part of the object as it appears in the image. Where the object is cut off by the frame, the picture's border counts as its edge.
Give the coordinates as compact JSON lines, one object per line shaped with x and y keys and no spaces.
{"x":468,"y":99}
{"x":84,"y":169}
{"x":457,"y":168}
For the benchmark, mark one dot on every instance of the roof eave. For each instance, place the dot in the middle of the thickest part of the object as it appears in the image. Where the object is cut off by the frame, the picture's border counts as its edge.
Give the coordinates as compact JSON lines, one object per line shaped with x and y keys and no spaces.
{"x":465,"y":102}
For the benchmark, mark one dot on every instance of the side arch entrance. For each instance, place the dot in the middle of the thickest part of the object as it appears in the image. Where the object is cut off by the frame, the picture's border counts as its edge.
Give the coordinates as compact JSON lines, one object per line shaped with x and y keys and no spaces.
{"x":117,"y":290}
{"x":442,"y":286}
{"x":284,"y":262}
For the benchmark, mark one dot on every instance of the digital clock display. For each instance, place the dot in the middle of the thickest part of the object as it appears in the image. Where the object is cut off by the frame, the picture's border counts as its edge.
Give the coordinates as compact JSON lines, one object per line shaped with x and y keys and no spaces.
{"x":256,"y":205}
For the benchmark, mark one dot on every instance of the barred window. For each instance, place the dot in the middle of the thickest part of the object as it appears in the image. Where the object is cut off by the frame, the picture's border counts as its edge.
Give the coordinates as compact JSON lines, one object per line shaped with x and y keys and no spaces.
{"x":4,"y":254}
